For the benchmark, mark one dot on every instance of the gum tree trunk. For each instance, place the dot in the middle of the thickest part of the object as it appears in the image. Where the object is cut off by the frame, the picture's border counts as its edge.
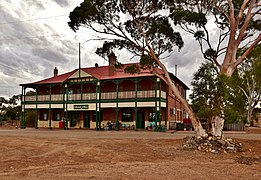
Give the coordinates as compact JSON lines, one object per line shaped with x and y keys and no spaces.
{"x":217,"y":126}
{"x":199,"y":131}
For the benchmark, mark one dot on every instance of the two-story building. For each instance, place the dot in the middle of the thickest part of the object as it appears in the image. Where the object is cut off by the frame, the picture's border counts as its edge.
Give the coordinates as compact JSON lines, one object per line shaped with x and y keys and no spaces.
{"x":92,"y":97}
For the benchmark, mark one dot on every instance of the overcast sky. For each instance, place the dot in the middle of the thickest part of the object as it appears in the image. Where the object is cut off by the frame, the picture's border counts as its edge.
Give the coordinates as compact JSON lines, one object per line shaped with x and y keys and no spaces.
{"x":35,"y":38}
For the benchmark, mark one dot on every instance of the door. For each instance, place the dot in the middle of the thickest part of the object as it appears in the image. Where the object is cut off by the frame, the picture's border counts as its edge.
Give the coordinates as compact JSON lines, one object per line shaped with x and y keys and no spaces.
{"x":86,"y":123}
{"x":74,"y":118}
{"x":140,"y":124}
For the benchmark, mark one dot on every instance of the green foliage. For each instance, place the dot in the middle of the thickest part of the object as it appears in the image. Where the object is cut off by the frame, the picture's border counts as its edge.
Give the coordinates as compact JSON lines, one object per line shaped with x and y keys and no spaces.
{"x":205,"y":97}
{"x":210,"y":53}
{"x":181,"y":16}
{"x":138,"y":26}
{"x":147,"y":62}
{"x":13,"y":112}
{"x":199,"y":35}
{"x":30,"y":93}
{"x":30,"y":118}
{"x":250,"y":70}
{"x":132,"y":69}
{"x":9,"y":108}
{"x":89,"y":11}
{"x":213,"y":92}
{"x":193,"y":15}
{"x":3,"y":100}
{"x":233,"y":116}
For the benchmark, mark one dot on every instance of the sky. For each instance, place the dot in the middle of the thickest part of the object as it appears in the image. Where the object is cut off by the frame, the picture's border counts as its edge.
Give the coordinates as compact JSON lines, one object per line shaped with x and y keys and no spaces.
{"x":35,"y":38}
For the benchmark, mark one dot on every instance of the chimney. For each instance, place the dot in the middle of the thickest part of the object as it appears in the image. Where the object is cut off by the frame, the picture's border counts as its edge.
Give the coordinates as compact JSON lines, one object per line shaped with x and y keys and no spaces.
{"x":112,"y":62}
{"x":176,"y":70}
{"x":55,"y":72}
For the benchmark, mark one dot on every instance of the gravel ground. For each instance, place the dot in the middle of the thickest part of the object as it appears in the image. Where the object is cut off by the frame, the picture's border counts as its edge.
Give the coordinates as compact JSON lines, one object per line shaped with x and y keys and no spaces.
{"x":88,"y":154}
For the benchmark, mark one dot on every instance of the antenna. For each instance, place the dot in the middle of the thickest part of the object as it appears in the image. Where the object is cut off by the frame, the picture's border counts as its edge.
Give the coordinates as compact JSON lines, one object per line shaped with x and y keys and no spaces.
{"x":79,"y":60}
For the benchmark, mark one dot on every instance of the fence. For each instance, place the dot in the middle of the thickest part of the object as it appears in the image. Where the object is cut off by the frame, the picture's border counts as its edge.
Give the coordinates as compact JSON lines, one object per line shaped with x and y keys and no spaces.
{"x":233,"y":127}
{"x":227,"y":127}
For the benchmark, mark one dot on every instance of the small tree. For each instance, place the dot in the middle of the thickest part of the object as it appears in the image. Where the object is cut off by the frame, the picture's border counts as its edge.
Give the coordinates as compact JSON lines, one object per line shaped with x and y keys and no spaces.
{"x":250,"y":73}
{"x":212,"y":91}
{"x":206,"y":92}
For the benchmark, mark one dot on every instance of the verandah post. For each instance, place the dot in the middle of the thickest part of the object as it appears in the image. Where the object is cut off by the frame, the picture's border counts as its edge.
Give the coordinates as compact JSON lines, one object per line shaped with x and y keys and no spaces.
{"x":136,"y":109}
{"x":66,"y":107}
{"x":36,"y":108}
{"x":117,"y":105}
{"x":49,"y":109}
{"x":22,"y":125}
{"x":97,"y":106}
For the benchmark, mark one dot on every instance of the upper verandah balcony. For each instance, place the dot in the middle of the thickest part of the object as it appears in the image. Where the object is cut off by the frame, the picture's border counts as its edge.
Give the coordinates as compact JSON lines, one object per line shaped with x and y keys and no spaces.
{"x":107,"y":90}
{"x":127,"y":95}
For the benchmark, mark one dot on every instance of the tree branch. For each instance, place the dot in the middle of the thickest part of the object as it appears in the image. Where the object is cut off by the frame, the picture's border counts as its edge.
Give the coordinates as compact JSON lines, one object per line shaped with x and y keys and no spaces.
{"x":245,"y":25}
{"x":248,"y":51}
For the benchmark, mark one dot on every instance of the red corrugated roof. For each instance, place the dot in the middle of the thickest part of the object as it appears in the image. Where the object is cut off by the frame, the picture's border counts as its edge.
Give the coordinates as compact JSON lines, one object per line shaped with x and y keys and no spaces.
{"x":101,"y":73}
{"x":57,"y":79}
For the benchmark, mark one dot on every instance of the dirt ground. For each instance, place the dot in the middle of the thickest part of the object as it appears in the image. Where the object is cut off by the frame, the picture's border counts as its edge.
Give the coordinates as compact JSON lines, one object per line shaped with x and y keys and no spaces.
{"x":86,"y":154}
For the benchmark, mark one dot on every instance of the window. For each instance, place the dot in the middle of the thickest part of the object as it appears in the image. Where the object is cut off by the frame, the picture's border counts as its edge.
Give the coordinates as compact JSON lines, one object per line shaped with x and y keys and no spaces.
{"x":94,"y":116}
{"x":57,"y":115}
{"x":152,"y":116}
{"x":70,"y":91}
{"x":127,"y":115}
{"x":172,"y":111}
{"x":44,"y":115}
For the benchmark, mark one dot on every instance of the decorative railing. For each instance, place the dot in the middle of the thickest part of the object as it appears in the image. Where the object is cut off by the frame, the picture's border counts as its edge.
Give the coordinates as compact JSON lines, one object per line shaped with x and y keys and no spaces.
{"x":92,"y":96}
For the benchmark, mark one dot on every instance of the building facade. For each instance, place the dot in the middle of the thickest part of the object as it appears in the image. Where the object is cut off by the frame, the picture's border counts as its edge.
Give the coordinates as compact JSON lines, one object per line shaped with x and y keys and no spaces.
{"x":93,"y":97}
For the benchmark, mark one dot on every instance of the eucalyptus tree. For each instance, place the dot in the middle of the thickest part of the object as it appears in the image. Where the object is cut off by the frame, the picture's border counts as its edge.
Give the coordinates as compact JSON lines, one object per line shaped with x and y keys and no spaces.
{"x":236,"y":25}
{"x":143,"y":27}
{"x":250,"y":73}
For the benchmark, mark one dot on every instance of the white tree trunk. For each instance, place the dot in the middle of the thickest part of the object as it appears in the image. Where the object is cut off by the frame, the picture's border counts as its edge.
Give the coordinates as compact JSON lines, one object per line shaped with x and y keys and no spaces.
{"x":217,"y":126}
{"x":199,"y":131}
{"x":249,"y":114}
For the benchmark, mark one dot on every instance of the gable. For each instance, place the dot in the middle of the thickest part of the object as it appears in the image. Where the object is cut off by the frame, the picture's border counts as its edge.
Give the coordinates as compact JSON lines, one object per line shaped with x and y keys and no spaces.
{"x":82,"y":74}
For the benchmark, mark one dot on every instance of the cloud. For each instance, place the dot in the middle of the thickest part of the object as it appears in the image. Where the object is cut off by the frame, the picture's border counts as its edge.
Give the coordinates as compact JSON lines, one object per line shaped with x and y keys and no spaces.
{"x":62,"y":3}
{"x":31,"y":49}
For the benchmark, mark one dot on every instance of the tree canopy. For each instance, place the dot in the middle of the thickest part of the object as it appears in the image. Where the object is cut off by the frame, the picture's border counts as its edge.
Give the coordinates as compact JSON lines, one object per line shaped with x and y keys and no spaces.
{"x":124,"y":22}
{"x":211,"y":91}
{"x":238,"y":25}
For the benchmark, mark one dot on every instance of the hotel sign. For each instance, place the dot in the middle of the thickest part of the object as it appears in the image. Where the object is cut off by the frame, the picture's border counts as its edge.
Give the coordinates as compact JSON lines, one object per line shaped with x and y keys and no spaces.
{"x":81,"y":106}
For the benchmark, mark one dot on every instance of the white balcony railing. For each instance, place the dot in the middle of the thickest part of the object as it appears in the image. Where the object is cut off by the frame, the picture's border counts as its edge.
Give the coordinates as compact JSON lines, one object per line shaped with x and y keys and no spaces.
{"x":92,"y":96}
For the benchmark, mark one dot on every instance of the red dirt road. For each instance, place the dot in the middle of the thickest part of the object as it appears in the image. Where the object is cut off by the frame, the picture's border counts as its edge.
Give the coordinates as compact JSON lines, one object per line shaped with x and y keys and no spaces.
{"x":79,"y":154}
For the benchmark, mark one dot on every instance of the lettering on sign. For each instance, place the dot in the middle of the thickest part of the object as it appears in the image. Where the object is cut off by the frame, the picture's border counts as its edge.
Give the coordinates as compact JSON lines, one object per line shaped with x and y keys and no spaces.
{"x":81,"y":106}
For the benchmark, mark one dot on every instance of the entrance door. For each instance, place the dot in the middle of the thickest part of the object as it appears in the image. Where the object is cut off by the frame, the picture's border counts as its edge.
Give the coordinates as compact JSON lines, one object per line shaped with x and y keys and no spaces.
{"x":74,"y":118}
{"x":86,"y":123}
{"x":140,"y":124}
